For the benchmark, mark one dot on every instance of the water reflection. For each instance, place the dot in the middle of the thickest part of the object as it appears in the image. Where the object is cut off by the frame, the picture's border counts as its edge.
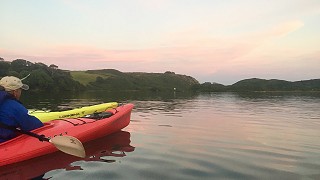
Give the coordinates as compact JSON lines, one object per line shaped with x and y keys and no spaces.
{"x":209,"y":136}
{"x":113,"y":145}
{"x":68,"y":100}
{"x":268,"y":95}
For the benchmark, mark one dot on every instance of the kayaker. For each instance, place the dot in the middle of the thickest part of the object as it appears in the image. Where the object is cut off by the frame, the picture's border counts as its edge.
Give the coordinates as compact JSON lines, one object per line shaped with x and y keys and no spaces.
{"x":12,"y":112}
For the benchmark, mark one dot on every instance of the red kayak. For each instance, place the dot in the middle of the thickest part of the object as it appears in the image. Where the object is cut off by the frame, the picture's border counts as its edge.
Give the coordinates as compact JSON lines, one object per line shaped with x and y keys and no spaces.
{"x":99,"y":150}
{"x":86,"y":129}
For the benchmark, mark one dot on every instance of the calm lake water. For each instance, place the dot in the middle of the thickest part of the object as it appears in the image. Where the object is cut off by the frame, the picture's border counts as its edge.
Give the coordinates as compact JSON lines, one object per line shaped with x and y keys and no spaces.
{"x":200,"y":136}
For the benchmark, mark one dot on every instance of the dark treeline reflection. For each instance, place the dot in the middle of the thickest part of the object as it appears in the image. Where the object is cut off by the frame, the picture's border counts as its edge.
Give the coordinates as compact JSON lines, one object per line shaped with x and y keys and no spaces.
{"x":69,"y":100}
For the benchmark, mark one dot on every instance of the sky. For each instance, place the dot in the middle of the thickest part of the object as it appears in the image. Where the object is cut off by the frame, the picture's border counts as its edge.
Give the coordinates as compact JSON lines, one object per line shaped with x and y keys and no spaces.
{"x":210,"y":40}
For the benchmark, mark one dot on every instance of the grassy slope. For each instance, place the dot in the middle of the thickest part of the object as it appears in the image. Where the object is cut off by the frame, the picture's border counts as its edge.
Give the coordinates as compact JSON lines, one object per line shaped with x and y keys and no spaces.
{"x":85,"y":78}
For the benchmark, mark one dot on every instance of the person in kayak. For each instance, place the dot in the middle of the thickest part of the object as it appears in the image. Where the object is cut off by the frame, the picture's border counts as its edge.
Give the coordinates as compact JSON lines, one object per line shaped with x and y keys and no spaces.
{"x":12,"y":112}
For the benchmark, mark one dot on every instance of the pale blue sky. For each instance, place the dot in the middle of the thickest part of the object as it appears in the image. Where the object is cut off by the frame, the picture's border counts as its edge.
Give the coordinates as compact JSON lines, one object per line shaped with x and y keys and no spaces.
{"x":211,"y":40}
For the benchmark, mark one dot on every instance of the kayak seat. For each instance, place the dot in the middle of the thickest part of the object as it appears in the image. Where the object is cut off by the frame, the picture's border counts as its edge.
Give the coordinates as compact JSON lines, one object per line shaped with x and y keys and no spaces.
{"x":99,"y":115}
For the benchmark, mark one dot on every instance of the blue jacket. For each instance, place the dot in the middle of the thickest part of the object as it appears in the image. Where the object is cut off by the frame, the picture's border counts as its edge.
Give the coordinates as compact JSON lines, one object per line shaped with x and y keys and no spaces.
{"x":13,"y":113}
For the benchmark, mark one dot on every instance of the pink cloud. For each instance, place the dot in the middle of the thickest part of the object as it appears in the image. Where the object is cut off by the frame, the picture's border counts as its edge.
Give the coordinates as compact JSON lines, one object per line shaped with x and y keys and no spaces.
{"x":190,"y":55}
{"x":190,"y":52}
{"x":286,"y":28}
{"x":187,"y":59}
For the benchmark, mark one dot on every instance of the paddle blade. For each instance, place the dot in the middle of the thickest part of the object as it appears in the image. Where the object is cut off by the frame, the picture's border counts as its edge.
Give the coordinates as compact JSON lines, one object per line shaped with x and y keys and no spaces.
{"x":69,"y":145}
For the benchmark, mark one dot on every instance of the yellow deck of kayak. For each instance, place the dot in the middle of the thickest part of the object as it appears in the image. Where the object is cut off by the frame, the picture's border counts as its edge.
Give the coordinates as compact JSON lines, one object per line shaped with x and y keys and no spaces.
{"x":45,"y":116}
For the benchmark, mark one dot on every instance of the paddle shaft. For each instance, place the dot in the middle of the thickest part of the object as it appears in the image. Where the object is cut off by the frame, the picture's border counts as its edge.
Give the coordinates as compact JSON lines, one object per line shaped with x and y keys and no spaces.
{"x":40,"y":137}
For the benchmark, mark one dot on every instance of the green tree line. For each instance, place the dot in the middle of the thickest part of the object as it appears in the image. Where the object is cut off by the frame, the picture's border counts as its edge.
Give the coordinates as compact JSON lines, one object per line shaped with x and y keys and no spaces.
{"x":255,"y":84}
{"x":42,"y":77}
{"x":51,"y":78}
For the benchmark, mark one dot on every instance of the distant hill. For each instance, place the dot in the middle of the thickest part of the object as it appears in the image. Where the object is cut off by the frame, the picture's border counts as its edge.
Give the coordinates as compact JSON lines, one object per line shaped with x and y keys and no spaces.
{"x":51,"y":78}
{"x":111,"y":79}
{"x":255,"y":84}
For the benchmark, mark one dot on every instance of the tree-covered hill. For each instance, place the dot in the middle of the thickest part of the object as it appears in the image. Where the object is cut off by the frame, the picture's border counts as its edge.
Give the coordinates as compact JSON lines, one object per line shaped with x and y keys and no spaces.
{"x":255,"y":84}
{"x":51,"y":78}
{"x":111,"y":79}
{"x":42,"y":77}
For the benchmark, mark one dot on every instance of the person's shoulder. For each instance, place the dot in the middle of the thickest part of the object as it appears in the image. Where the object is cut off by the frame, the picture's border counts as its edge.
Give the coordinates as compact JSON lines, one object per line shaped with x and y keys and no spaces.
{"x":13,"y":103}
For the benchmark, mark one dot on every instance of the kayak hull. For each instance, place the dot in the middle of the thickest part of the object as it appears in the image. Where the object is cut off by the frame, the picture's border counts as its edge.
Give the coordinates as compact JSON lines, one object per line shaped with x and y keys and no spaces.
{"x":114,"y":145}
{"x":25,"y":147}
